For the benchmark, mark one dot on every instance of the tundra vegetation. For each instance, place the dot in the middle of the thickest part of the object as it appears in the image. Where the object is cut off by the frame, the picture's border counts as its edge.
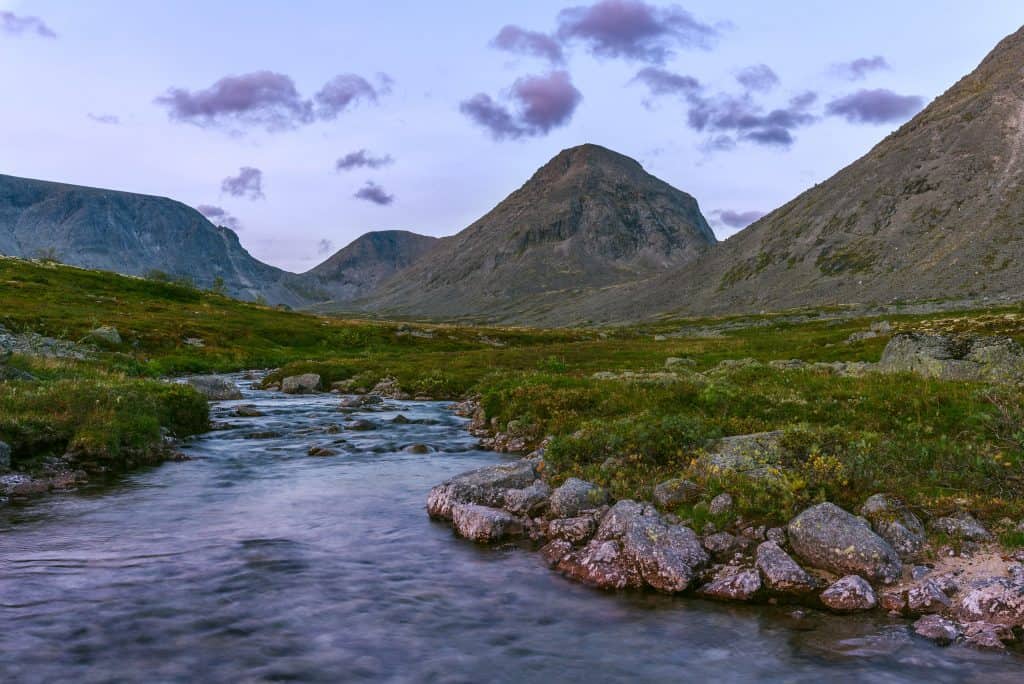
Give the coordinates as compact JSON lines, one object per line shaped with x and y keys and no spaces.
{"x":619,"y":413}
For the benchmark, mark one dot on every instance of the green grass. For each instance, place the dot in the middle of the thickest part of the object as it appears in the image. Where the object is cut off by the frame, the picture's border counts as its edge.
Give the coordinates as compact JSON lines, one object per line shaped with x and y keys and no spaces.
{"x":940,"y":445}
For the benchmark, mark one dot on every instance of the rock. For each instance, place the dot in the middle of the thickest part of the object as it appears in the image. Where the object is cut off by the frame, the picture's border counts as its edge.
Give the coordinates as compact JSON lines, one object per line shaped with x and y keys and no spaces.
{"x":721,"y":504}
{"x":674,"y":493}
{"x":359,"y":401}
{"x":893,"y":601}
{"x":849,"y":594}
{"x":554,"y":551}
{"x":787,"y":364}
{"x":781,"y":573}
{"x":419,"y":449}
{"x":997,"y":600}
{"x":732,"y":584}
{"x":194,"y":342}
{"x":985,"y":635}
{"x":247,"y":411}
{"x":895,"y":523}
{"x":721,"y":545}
{"x":484,"y":524}
{"x":860,"y":336}
{"x":753,"y":455}
{"x":400,"y":420}
{"x":389,"y":388}
{"x":105,"y":335}
{"x":321,"y":451}
{"x":573,"y":530}
{"x":214,"y":387}
{"x":485,"y":486}
{"x":961,"y":525}
{"x":776,"y":534}
{"x":927,"y":598}
{"x":5,"y":456}
{"x":677,"y":362}
{"x":995,"y":359}
{"x":360,"y":424}
{"x":601,"y":564}
{"x":529,"y":501}
{"x":937,"y":629}
{"x":574,"y":496}
{"x":307,"y":383}
{"x":825,"y":536}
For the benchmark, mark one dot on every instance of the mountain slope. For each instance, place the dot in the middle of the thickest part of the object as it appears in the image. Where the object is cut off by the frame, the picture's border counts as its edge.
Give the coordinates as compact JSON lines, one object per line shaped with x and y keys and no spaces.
{"x":358,"y":268}
{"x":935,"y":210}
{"x":131,"y":234}
{"x":589,"y":218}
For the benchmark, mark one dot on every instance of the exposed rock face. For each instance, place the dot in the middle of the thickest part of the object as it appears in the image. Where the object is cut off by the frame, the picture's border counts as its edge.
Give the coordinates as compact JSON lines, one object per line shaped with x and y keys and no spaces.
{"x":998,"y":601}
{"x":132,"y":234}
{"x":895,"y":523}
{"x":574,"y":496}
{"x":961,"y":525}
{"x":781,"y":573}
{"x":307,"y":383}
{"x":733,"y":584}
{"x":673,"y":493}
{"x":849,"y":594}
{"x":484,"y":524}
{"x":996,"y":359}
{"x":215,"y":387}
{"x":588,"y":218}
{"x":485,"y":486}
{"x":825,"y":536}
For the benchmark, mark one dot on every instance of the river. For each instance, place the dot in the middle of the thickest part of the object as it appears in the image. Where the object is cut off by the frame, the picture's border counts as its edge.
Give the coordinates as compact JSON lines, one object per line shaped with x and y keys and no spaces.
{"x":257,"y":562}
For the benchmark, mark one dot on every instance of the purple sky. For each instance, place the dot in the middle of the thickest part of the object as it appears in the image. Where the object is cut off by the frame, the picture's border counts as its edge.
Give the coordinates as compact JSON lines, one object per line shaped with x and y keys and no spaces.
{"x":305,"y":125}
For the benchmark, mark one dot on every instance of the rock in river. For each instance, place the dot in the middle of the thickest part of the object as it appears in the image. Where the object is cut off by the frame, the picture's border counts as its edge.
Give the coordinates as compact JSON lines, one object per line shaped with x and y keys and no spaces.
{"x":825,"y":536}
{"x":733,"y":584}
{"x":937,"y":628}
{"x":849,"y":594}
{"x":214,"y":387}
{"x":781,"y":573}
{"x":307,"y":383}
{"x":483,"y":523}
{"x":486,"y":486}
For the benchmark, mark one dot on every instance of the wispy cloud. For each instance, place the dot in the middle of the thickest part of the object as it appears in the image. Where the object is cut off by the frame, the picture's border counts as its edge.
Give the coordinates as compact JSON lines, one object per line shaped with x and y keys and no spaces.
{"x":19,"y":25}
{"x":362,"y":159}
{"x":248,"y":183}
{"x":538,"y":104}
{"x":878,"y":106}
{"x":371,"y":192}
{"x":858,"y":69}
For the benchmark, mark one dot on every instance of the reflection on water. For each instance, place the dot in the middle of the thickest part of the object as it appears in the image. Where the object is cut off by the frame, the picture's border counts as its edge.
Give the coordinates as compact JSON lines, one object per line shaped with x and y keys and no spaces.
{"x":257,"y":562}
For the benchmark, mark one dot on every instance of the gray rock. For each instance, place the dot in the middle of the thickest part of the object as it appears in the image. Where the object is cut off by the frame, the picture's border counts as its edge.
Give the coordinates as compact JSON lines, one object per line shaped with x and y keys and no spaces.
{"x":601,"y":564}
{"x":849,"y":594}
{"x":484,"y":524}
{"x":674,"y":493}
{"x":776,"y":534}
{"x":360,"y":424}
{"x":307,"y":383}
{"x":678,"y":362}
{"x":896,"y":524}
{"x":937,"y":629}
{"x":961,"y":525}
{"x":986,"y":636}
{"x":733,"y":584}
{"x":721,"y":545}
{"x":721,"y":504}
{"x":573,"y":496}
{"x":214,"y":387}
{"x":247,"y":411}
{"x":555,"y":551}
{"x":486,"y":486}
{"x":359,"y":401}
{"x":997,"y":601}
{"x":825,"y":536}
{"x":529,"y":501}
{"x":106,"y":335}
{"x":781,"y":573}
{"x":753,"y":455}
{"x":996,"y":359}
{"x":5,"y":456}
{"x":390,"y":388}
{"x":927,"y":597}
{"x":573,"y":530}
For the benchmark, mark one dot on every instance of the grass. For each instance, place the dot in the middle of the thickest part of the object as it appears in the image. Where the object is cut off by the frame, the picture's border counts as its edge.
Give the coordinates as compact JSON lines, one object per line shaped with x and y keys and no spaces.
{"x":940,"y":445}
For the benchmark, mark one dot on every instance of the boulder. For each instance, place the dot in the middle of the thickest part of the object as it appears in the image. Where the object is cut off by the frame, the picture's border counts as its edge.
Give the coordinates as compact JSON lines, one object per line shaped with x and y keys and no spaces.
{"x":926,"y":598}
{"x":825,"y":536}
{"x":679,"y":362}
{"x":5,"y":456}
{"x":732,"y":584}
{"x":674,"y":493}
{"x":554,"y":551}
{"x":937,"y":629}
{"x":601,"y":564}
{"x":782,"y":574}
{"x":529,"y":501}
{"x":895,"y":523}
{"x":849,"y":594}
{"x":573,"y":530}
{"x":721,"y":504}
{"x":985,"y":635}
{"x":214,"y":387}
{"x":995,"y":359}
{"x":755,"y":455}
{"x":961,"y":525}
{"x":997,"y":601}
{"x":721,"y":545}
{"x":484,"y":524}
{"x":361,"y":425}
{"x":105,"y":335}
{"x":247,"y":411}
{"x":573,"y":496}
{"x":389,"y":388}
{"x":486,"y":486}
{"x":307,"y":383}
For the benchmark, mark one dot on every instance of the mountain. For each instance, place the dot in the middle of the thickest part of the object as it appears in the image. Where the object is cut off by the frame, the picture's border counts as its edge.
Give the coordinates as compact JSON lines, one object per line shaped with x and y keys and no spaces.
{"x":589,"y":218}
{"x":132,"y":234}
{"x":357,"y":269}
{"x":935,"y":210}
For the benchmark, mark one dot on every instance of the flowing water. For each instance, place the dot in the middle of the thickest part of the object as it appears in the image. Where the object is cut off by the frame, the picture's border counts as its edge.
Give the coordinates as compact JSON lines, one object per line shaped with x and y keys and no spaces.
{"x":257,"y":562}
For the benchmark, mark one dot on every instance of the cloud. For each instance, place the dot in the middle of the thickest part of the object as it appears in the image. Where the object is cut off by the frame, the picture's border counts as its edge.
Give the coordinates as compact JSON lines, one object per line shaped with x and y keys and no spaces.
{"x":361,"y":159}
{"x":539,"y":104}
{"x":325,"y":246}
{"x":219,"y":216}
{"x":17,"y":25}
{"x":261,"y":98}
{"x":875,"y":106}
{"x":858,"y":69}
{"x":345,"y":90}
{"x":730,"y":117}
{"x":662,"y":82}
{"x":633,"y":29}
{"x":737,"y":219}
{"x":371,"y":192}
{"x":524,"y":42}
{"x":108,"y":119}
{"x":248,"y":183}
{"x":759,"y":78}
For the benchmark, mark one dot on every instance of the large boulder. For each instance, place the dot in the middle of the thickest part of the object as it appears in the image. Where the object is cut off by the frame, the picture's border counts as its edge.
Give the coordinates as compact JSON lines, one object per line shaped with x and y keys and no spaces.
{"x":105,"y":335}
{"x":938,"y":629}
{"x":528,"y":501}
{"x":573,"y":530}
{"x":997,"y":601}
{"x":733,"y":584}
{"x":996,"y":359}
{"x":782,"y":574}
{"x":483,"y":523}
{"x":573,"y":496}
{"x":849,"y":594}
{"x":307,"y":383}
{"x":215,"y":387}
{"x":755,"y":456}
{"x":601,"y":564}
{"x":963,"y":526}
{"x":896,"y":524}
{"x":825,"y":536}
{"x":486,"y":486}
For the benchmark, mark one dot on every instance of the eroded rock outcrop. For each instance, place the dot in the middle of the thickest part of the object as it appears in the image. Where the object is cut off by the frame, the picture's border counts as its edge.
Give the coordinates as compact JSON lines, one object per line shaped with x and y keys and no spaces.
{"x":995,"y":359}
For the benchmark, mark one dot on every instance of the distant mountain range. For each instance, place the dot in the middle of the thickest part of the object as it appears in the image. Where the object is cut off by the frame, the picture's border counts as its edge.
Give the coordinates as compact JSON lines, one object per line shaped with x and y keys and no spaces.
{"x":936,"y":210}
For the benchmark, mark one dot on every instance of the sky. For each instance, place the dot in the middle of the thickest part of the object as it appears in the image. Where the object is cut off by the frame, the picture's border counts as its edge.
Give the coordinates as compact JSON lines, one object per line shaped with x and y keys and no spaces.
{"x":303,"y":125}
